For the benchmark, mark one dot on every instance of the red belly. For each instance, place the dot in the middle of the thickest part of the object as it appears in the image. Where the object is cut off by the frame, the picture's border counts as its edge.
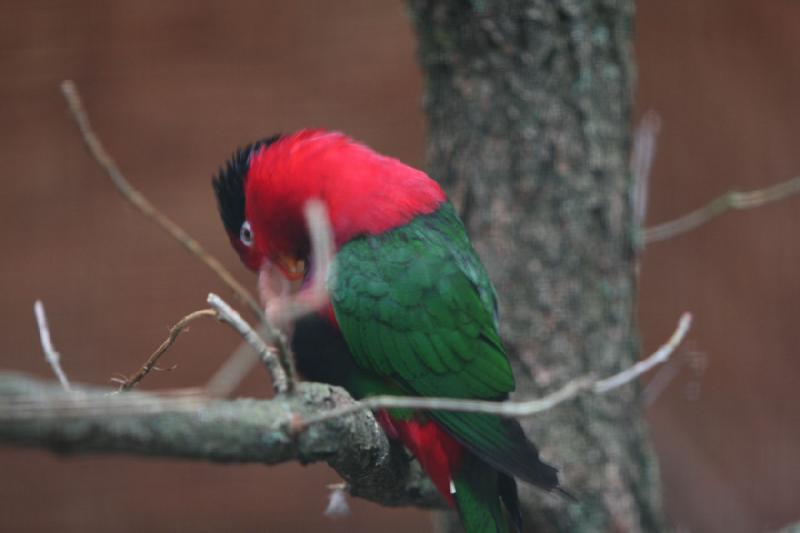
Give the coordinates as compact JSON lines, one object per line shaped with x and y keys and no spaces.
{"x":437,"y":452}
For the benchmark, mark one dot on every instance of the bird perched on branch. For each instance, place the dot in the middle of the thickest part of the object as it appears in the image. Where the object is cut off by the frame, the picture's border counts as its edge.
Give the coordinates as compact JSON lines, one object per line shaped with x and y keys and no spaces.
{"x":409,"y":309}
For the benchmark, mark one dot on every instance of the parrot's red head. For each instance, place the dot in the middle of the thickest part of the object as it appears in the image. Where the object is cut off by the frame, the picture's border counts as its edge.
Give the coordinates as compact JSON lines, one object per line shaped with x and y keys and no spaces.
{"x":264,"y":187}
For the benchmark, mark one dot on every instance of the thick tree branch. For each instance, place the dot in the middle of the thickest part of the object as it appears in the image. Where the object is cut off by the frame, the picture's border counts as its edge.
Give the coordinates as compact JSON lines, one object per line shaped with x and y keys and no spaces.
{"x":188,"y":424}
{"x":190,"y":427}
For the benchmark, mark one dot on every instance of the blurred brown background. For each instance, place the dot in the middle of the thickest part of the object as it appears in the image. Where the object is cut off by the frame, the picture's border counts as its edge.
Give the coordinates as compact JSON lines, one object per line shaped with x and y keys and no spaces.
{"x":174,"y":86}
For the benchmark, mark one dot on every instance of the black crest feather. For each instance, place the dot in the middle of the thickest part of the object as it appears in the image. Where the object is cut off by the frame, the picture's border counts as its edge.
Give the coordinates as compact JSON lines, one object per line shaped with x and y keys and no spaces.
{"x":229,"y":185}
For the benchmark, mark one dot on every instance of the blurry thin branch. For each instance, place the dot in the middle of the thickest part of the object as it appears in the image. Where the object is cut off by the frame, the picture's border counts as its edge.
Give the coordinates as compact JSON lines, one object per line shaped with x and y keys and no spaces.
{"x":52,"y":357}
{"x":222,"y":385}
{"x":727,"y":202}
{"x":148,"y":209}
{"x":658,"y":357}
{"x":643,"y":152}
{"x":106,"y":162}
{"x":224,"y":382}
{"x":130,"y":382}
{"x":517,"y":409}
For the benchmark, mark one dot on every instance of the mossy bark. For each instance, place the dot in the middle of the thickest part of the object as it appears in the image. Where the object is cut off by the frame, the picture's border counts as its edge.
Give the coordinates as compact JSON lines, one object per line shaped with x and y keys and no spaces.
{"x":529,"y":104}
{"x":41,"y":414}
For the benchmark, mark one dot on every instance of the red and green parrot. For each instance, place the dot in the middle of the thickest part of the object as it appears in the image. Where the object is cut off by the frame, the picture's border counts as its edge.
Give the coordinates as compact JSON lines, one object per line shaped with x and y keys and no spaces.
{"x":410,"y":310}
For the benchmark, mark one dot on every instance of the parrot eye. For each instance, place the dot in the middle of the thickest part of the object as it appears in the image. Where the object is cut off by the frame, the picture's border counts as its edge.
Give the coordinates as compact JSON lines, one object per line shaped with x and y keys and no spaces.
{"x":246,"y":234}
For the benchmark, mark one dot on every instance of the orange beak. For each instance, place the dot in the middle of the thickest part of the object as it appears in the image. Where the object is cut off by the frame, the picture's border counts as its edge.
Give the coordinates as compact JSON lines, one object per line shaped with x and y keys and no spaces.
{"x":279,"y":279}
{"x":293,"y":268}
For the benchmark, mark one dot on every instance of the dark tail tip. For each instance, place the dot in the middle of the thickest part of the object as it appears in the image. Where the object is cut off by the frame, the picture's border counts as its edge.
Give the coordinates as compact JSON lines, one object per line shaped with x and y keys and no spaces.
{"x":564,"y":493}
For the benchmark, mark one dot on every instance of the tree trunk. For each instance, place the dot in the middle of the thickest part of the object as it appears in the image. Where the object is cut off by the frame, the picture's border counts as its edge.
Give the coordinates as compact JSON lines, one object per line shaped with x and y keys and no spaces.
{"x":529,"y":105}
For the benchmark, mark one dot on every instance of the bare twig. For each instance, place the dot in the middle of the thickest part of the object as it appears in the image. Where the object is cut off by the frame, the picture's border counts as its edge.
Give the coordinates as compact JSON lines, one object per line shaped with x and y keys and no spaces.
{"x":222,"y":387}
{"x":129,"y":383}
{"x":513,"y":409}
{"x":232,"y":372}
{"x":238,"y":365}
{"x":728,"y":201}
{"x":50,"y":353}
{"x":106,"y":162}
{"x":660,"y":381}
{"x":659,"y":356}
{"x":645,"y":138}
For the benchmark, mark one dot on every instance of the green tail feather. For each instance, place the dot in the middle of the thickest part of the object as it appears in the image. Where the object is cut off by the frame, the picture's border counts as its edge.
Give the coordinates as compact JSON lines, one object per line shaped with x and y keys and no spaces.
{"x":477,"y":497}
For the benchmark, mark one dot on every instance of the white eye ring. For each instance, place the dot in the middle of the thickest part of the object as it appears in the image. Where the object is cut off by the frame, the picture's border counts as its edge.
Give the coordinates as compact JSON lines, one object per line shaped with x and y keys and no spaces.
{"x":246,"y":234}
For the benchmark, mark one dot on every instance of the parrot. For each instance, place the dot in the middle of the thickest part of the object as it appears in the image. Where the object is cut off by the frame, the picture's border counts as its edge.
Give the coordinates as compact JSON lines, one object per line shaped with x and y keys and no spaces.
{"x":409,"y":309}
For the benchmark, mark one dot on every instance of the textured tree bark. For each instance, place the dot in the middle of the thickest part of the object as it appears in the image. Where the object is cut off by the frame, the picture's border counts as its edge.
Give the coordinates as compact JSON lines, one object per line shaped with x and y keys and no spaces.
{"x":529,"y":104}
{"x":41,"y":414}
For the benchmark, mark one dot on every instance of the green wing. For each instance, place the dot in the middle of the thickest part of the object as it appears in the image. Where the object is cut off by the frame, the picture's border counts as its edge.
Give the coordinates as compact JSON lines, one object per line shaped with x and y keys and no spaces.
{"x":415,"y":306}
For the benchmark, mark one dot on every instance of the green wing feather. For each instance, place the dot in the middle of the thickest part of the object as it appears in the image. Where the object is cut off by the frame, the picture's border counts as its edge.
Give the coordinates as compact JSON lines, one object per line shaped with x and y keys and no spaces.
{"x":415,"y":306}
{"x":476,"y":485}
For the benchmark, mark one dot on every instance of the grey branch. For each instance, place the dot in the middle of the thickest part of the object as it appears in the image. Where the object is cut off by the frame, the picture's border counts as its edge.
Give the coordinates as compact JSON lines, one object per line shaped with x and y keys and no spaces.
{"x":238,"y":431}
{"x":187,"y":424}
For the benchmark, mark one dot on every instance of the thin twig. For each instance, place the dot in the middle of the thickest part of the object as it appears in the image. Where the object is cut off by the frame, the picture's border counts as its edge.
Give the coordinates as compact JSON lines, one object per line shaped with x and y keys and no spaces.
{"x":106,"y":162}
{"x":643,"y":152}
{"x":728,"y":201}
{"x":660,"y":381}
{"x":50,"y":354}
{"x":233,"y":370}
{"x":512,"y":409}
{"x":129,"y":383}
{"x":223,"y":387}
{"x":659,"y":356}
{"x":238,"y":365}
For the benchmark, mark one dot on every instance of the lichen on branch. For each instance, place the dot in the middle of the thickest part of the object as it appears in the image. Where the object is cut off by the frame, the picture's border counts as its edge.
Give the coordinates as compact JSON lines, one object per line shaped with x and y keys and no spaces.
{"x":41,"y":414}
